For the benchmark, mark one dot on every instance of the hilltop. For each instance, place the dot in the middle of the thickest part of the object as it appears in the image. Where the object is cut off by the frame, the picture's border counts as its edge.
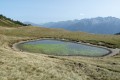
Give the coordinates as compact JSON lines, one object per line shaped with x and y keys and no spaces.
{"x":7,"y":22}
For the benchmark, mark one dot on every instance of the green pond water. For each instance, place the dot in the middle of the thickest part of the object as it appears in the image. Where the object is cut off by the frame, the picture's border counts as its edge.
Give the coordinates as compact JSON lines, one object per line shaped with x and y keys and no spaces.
{"x":62,"y":48}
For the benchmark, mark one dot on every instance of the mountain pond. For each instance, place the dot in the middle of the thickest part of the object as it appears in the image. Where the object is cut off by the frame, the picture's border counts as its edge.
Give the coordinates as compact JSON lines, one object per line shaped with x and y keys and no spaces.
{"x":62,"y":48}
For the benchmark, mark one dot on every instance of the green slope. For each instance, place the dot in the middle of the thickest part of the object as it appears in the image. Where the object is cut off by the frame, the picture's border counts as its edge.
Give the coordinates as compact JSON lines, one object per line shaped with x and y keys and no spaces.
{"x":7,"y":22}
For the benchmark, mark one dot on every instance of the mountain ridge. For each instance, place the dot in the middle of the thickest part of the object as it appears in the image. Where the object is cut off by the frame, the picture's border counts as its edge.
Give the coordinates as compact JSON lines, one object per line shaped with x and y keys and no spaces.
{"x":98,"y":25}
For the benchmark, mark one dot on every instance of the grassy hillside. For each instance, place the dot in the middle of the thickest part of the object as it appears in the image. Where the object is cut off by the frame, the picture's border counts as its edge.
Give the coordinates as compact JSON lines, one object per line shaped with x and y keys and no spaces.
{"x":17,"y":65}
{"x":107,"y":40}
{"x":7,"y":22}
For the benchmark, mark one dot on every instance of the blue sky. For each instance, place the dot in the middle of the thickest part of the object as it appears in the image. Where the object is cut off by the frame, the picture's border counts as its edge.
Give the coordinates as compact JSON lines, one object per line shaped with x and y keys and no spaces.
{"x":40,"y":11}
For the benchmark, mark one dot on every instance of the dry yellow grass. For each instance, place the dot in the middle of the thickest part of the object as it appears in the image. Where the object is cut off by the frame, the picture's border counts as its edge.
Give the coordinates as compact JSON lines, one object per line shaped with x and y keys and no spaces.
{"x":16,"y":65}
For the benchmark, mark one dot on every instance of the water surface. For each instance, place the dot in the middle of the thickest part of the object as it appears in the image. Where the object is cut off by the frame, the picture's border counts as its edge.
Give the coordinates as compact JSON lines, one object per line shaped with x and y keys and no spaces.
{"x":62,"y":48}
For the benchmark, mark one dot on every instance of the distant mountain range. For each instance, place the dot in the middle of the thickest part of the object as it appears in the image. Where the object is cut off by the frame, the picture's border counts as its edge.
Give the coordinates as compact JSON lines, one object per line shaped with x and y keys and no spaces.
{"x":117,"y":33}
{"x":99,"y":25}
{"x":7,"y":22}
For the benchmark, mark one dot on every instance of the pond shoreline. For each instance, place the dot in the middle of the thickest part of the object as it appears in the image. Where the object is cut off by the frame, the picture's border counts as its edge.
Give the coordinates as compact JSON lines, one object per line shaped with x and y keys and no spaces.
{"x":111,"y":52}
